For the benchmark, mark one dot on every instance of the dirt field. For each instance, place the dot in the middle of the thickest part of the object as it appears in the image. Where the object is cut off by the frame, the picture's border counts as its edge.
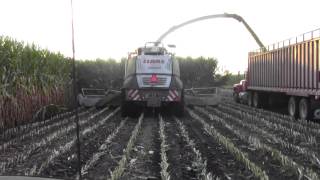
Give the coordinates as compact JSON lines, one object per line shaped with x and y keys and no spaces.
{"x":230,"y":141}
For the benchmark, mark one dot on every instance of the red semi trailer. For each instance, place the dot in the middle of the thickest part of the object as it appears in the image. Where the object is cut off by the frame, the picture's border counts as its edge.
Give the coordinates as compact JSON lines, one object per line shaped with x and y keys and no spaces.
{"x":286,"y":73}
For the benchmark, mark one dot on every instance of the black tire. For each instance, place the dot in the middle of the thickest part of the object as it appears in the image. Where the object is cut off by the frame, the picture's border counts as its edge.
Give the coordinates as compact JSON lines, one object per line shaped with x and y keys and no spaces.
{"x":123,"y":105}
{"x":260,"y":100}
{"x":292,"y":107}
{"x":125,"y":109}
{"x":130,"y":109}
{"x":236,"y":97}
{"x":249,"y":100}
{"x":179,"y":109}
{"x":256,"y":100}
{"x":304,"y":109}
{"x":316,"y":115}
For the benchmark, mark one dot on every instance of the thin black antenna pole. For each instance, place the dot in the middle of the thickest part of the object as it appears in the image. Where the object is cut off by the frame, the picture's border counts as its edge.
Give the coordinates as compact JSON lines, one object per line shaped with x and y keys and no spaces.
{"x":75,"y":95}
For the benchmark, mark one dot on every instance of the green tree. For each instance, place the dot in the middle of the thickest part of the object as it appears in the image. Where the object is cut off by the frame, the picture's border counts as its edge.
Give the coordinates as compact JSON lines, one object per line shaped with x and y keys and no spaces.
{"x":198,"y":72}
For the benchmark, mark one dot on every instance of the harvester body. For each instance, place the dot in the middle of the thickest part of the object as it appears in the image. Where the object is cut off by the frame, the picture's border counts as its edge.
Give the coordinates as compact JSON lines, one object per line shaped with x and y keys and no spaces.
{"x":152,"y":79}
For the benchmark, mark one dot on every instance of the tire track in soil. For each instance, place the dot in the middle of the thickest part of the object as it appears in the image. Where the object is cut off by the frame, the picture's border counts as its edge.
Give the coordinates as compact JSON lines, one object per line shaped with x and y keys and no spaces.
{"x":144,"y":161}
{"x":65,"y":166}
{"x":107,"y":162}
{"x":179,"y":154}
{"x":40,"y":154}
{"x":262,"y":158}
{"x":219,"y":161}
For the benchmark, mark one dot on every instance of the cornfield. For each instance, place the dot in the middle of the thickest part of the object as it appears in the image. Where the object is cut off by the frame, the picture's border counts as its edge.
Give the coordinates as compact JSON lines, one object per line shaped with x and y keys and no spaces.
{"x":30,"y":78}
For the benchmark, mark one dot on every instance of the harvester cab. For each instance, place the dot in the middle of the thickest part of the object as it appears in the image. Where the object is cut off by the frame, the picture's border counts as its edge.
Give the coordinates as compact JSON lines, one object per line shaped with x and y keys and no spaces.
{"x":150,"y":48}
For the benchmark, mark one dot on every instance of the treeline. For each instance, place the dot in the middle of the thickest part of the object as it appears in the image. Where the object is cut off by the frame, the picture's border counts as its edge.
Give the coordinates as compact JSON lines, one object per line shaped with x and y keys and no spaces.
{"x":100,"y":73}
{"x":198,"y":72}
{"x":195,"y":72}
{"x":231,"y":79}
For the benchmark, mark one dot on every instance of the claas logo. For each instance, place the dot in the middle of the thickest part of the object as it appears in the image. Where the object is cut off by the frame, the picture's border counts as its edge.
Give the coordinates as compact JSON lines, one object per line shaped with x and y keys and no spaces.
{"x":153,"y":61}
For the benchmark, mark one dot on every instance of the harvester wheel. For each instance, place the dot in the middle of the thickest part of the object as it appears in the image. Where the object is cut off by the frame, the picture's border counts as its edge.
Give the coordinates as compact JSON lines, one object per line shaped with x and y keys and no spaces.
{"x":123,"y":105}
{"x":124,"y":109}
{"x":179,"y":109}
{"x":130,"y":109}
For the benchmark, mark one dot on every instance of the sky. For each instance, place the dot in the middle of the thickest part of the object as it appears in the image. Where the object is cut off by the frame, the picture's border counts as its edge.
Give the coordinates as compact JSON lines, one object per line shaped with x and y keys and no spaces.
{"x":112,"y":28}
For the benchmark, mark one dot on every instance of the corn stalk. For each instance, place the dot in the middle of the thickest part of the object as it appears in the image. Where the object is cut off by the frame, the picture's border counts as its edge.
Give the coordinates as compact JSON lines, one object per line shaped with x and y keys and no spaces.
{"x":199,"y":162}
{"x":307,"y":153}
{"x":40,"y":131}
{"x":20,"y":157}
{"x":285,"y":120}
{"x":30,"y":78}
{"x":63,"y":149}
{"x":102,"y":149}
{"x":227,"y":143}
{"x":118,"y":171}
{"x":163,"y":151}
{"x":285,"y":161}
{"x":23,"y":129}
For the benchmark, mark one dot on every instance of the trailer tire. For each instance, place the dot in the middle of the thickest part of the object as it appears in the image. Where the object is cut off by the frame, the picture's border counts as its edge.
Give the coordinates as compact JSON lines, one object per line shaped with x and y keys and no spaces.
{"x":249,"y":102}
{"x":256,"y":100}
{"x":304,"y":109}
{"x":292,"y":107}
{"x":236,"y":97}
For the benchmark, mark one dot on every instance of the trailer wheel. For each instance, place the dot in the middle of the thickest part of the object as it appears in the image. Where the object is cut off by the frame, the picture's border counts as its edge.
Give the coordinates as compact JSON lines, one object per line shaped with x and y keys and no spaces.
{"x":236,"y":97}
{"x":256,"y":100}
{"x":292,"y":107}
{"x":249,"y":99}
{"x":304,"y":108}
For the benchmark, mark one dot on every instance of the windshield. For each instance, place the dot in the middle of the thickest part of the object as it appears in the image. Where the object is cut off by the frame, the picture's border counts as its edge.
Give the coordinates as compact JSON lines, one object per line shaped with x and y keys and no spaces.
{"x":168,"y":90}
